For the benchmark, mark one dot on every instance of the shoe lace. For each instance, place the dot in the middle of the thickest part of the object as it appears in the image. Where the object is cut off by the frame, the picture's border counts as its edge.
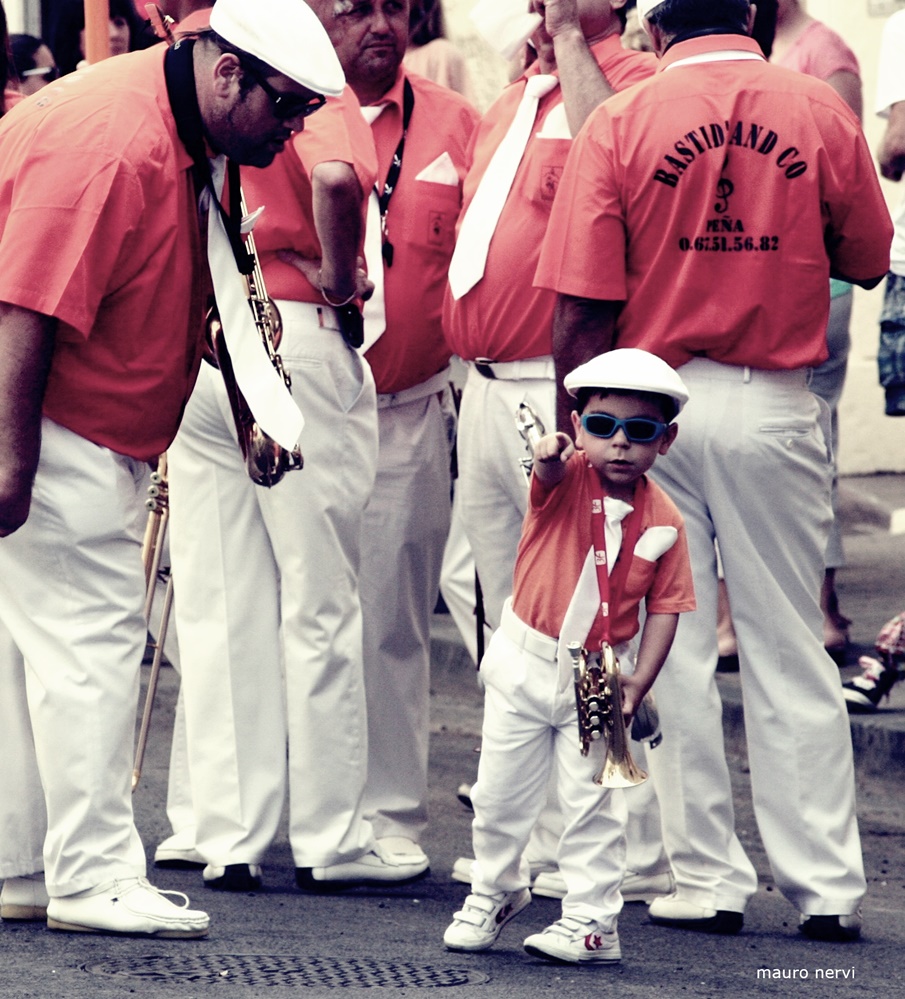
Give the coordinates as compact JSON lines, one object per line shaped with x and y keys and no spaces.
{"x":124,"y":887}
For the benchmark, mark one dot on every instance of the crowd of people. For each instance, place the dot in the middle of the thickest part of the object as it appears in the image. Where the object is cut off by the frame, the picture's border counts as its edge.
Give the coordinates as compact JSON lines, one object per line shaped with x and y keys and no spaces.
{"x":648,"y":248}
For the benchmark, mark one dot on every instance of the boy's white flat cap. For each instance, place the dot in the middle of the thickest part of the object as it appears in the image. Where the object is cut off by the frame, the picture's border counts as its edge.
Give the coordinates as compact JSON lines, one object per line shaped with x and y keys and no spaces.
{"x":287,"y":35}
{"x":630,"y":369}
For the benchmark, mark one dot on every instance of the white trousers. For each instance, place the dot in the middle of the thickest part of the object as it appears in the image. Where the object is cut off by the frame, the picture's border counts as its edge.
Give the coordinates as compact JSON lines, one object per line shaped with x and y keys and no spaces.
{"x":492,"y":485}
{"x":72,"y":600}
{"x":406,"y":524}
{"x":529,"y":727}
{"x":268,"y":612}
{"x":750,"y":467}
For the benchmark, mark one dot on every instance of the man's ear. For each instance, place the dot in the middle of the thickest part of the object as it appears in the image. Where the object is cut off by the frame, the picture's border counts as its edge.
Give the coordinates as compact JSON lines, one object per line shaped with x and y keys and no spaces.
{"x":667,"y":439}
{"x":226,"y":73}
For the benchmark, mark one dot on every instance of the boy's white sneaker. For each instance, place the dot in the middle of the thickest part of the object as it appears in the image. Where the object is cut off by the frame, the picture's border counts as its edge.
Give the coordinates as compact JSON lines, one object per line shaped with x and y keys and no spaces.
{"x":575,"y":940}
{"x":477,"y":925}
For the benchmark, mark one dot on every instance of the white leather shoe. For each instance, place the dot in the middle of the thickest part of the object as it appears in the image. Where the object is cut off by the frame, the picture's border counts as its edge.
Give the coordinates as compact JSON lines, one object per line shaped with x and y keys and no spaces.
{"x":178,"y":851}
{"x":637,"y":887}
{"x":24,"y":898}
{"x":673,"y":910}
{"x":378,"y":868}
{"x":232,"y":877}
{"x":129,"y":905}
{"x":403,"y":849}
{"x":461,"y":872}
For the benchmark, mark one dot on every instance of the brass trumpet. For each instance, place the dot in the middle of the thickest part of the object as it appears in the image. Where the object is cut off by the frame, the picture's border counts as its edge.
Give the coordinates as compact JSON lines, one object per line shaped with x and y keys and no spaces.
{"x":532,"y":429}
{"x":598,"y":698}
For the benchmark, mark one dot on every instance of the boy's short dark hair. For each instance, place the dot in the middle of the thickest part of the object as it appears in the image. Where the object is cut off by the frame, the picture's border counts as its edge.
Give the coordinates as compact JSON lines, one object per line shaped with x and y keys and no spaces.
{"x":665,"y":403}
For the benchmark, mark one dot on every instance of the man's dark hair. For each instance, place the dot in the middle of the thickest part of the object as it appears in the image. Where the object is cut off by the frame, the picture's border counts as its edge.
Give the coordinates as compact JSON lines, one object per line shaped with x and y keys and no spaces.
{"x":665,"y":403}
{"x":425,"y":22}
{"x":681,"y":17}
{"x":764,"y":29}
{"x":24,"y":48}
{"x":252,"y":65}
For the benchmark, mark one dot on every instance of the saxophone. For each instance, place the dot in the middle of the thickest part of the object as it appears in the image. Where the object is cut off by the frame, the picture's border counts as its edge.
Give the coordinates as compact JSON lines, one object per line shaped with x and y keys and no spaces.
{"x":598,"y":697}
{"x":266,"y":461}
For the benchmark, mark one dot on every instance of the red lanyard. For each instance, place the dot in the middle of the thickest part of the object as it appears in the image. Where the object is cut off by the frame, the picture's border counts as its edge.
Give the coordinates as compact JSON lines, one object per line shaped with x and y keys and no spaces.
{"x":611,"y":583}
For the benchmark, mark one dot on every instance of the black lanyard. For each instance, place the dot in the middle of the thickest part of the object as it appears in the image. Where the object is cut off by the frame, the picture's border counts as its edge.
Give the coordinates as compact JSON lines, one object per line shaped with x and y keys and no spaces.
{"x":389,"y":186}
{"x":178,"y":68}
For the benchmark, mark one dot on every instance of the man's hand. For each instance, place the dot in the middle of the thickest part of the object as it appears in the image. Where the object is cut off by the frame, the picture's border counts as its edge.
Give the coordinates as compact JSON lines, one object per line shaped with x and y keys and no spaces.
{"x":560,"y":16}
{"x":15,"y":502}
{"x":364,"y":286}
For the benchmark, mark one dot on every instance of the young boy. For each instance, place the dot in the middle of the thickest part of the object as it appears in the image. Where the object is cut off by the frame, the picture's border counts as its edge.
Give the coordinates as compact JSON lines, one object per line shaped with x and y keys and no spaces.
{"x":627,"y":400}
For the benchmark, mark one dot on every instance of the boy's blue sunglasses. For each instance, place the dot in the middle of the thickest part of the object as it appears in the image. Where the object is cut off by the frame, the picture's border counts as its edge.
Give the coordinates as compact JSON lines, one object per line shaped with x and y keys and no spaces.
{"x":637,"y":429}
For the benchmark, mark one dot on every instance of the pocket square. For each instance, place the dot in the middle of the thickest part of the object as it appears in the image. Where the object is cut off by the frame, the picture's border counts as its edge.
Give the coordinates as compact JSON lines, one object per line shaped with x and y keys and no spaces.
{"x":556,"y":125}
{"x":655,"y":541}
{"x":441,"y":171}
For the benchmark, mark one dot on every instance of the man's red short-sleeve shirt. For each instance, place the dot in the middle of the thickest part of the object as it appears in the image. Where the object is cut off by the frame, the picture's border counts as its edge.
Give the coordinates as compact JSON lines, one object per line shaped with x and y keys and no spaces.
{"x":712,"y":200}
{"x":99,"y":229}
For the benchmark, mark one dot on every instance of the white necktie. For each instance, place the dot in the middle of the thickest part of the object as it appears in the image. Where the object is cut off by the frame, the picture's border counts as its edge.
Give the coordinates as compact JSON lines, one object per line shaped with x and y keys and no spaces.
{"x":470,"y":256}
{"x":374,"y":311}
{"x":274,"y":409}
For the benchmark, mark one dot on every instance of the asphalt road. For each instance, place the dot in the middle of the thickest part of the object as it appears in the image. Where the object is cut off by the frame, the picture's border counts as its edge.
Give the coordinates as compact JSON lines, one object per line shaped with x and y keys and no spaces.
{"x":266,"y":943}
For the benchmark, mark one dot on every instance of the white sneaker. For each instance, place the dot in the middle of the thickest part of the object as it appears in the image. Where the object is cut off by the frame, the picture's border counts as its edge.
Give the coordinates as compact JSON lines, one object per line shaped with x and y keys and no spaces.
{"x":130,"y":905}
{"x":24,"y":898}
{"x":378,"y":868}
{"x":576,"y":940}
{"x":477,"y":925}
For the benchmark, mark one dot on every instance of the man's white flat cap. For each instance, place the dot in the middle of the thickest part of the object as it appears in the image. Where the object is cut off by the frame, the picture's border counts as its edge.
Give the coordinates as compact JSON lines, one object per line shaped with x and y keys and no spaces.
{"x":285,"y":34}
{"x":630,"y":369}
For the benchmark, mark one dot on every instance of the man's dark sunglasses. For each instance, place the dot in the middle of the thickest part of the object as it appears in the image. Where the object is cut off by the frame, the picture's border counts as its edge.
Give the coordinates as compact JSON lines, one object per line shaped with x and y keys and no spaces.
{"x":638,"y":429}
{"x":287,"y":106}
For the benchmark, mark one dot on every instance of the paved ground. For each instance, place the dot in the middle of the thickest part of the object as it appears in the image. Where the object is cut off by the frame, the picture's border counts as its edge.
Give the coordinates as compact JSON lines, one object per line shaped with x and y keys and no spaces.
{"x":265,"y":943}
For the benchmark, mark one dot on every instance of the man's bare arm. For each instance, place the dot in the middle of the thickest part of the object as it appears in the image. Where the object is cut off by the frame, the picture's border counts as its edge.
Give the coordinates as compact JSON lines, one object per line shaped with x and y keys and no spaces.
{"x":892,"y":151}
{"x":337,"y":198}
{"x":26,"y":348}
{"x":582,"y":329}
{"x":584,"y":86}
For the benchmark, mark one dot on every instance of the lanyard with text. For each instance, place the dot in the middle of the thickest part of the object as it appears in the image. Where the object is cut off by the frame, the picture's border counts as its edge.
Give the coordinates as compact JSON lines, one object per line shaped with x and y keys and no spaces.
{"x":612,"y":583}
{"x":383,"y":199}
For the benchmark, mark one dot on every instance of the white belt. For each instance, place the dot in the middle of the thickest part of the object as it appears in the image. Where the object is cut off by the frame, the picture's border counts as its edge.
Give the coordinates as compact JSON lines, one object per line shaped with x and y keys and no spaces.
{"x":527,"y":367}
{"x":520,"y":634}
{"x":436,"y":383}
{"x":703,"y":367}
{"x":308,"y":313}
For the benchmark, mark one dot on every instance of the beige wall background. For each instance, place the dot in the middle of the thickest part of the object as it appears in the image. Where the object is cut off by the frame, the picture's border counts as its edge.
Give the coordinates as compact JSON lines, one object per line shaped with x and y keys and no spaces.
{"x":870,"y":441}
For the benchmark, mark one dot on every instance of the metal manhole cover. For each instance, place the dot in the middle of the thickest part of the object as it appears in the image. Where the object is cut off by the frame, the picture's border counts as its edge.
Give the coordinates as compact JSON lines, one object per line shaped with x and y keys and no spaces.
{"x":269,"y":969}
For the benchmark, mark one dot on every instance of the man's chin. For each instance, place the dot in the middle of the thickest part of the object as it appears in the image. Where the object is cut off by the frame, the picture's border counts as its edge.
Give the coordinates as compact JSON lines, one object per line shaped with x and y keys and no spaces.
{"x":261,"y":157}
